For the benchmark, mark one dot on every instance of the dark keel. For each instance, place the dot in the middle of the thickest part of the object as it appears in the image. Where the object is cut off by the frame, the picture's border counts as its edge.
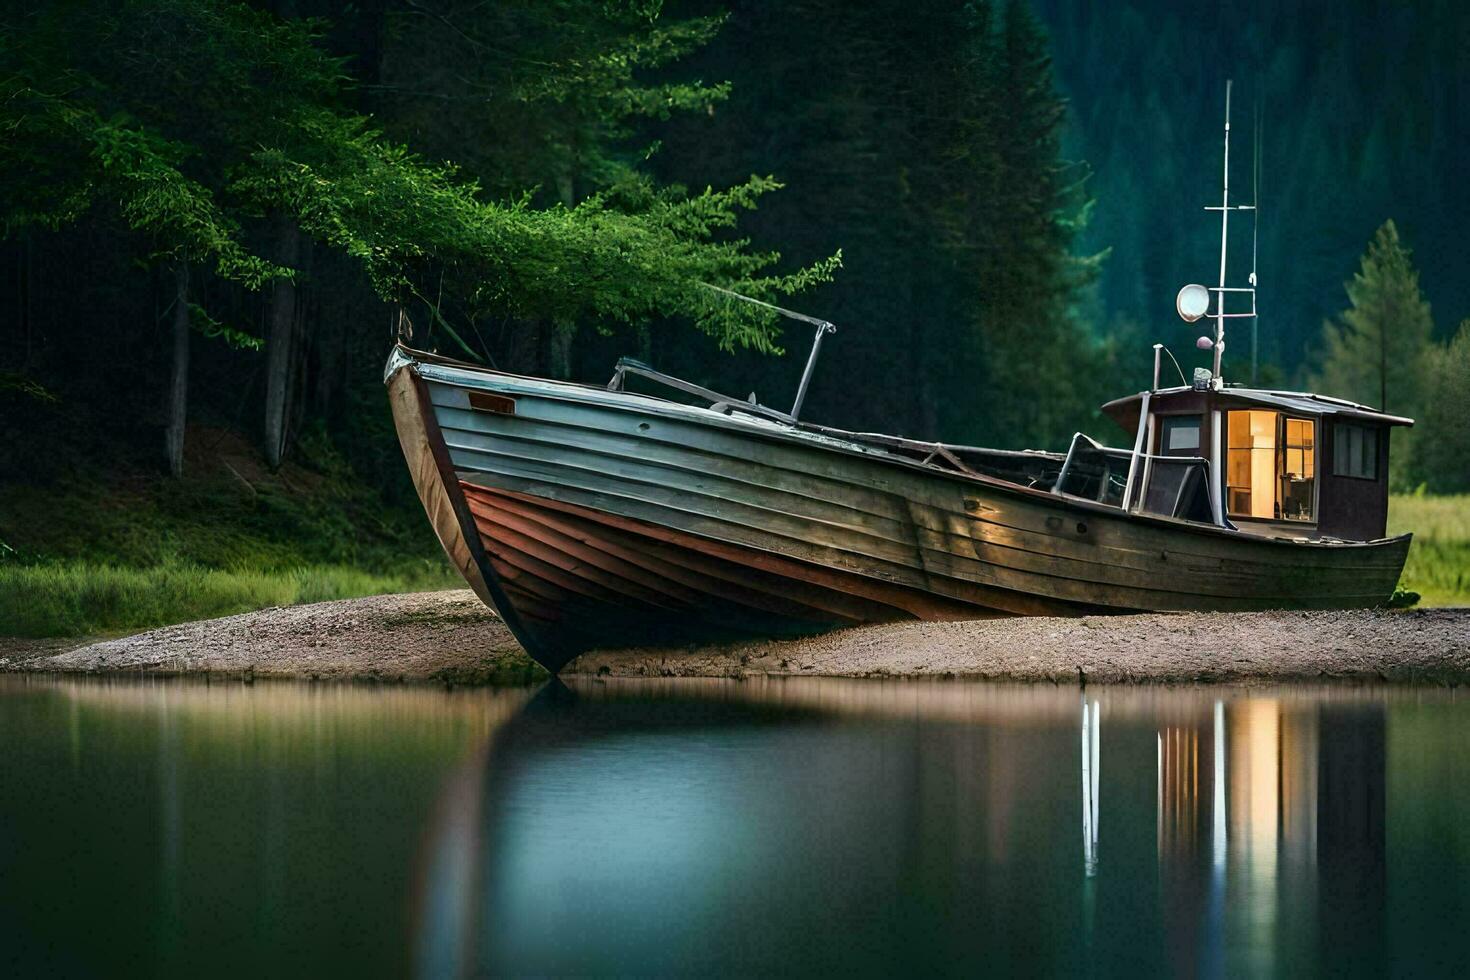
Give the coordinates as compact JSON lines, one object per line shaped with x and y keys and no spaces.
{"x":576,"y":579}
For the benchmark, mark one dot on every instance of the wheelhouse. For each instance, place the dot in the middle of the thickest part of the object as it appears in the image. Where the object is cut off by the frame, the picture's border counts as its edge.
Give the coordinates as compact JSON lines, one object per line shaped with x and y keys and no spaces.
{"x":1277,"y":463}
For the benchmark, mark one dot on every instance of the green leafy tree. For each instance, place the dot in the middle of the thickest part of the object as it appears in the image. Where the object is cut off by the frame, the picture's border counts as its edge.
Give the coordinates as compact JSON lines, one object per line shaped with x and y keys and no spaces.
{"x":220,"y":135}
{"x":544,"y":98}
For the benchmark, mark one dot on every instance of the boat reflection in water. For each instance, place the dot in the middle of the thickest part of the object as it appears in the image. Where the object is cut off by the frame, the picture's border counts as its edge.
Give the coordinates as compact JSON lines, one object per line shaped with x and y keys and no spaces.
{"x":865,"y":826}
{"x":1271,"y":836}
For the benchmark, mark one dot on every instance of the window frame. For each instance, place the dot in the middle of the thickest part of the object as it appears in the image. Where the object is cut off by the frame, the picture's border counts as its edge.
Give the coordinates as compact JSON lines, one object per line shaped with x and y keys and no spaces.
{"x":1165,"y":418}
{"x":1278,"y":453}
{"x":1338,"y":425}
{"x":1284,"y":447}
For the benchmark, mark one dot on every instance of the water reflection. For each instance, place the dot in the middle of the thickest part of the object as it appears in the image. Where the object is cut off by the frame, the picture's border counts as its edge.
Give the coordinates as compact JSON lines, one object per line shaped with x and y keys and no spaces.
{"x":732,"y":827}
{"x":1293,"y":792}
{"x":864,"y":826}
{"x":1090,"y":771}
{"x":170,"y":828}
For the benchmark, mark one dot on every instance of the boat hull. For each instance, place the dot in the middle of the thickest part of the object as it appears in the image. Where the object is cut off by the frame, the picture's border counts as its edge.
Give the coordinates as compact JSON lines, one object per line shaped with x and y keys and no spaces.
{"x":588,"y":517}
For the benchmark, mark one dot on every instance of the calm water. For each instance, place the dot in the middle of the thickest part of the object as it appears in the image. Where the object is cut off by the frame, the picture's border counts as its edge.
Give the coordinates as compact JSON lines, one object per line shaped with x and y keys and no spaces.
{"x":736,"y":828}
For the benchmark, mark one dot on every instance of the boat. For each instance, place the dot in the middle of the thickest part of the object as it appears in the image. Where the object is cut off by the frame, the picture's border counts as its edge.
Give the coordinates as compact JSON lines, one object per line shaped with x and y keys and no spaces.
{"x":599,"y":515}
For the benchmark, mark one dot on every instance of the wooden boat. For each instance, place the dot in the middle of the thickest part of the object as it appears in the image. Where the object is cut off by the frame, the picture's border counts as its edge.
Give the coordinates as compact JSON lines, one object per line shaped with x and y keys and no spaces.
{"x":597,"y":516}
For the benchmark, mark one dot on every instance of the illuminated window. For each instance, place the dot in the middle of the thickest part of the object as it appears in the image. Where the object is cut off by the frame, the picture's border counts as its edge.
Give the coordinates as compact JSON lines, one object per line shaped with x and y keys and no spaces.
{"x":1270,"y":466}
{"x":1251,"y":464}
{"x":1298,"y":469}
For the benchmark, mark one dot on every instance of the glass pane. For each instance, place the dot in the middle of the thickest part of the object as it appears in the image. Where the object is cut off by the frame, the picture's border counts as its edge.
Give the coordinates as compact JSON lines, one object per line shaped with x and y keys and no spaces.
{"x":1355,"y":452}
{"x":1298,"y":468}
{"x":1181,"y":433}
{"x":1252,"y":464}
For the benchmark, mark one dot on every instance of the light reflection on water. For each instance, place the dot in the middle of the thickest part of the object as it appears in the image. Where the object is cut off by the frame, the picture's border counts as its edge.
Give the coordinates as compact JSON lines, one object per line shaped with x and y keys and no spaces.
{"x":736,"y":827}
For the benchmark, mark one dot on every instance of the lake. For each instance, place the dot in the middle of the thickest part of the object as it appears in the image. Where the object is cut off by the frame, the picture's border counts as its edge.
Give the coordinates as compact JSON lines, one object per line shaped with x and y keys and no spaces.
{"x":731,"y":827}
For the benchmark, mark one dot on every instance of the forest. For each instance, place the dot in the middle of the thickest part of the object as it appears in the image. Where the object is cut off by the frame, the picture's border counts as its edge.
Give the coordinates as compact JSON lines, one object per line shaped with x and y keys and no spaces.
{"x":218,"y":215}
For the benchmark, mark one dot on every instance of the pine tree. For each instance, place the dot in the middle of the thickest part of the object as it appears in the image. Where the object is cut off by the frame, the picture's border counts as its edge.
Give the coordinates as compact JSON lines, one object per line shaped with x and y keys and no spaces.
{"x":1028,"y":276}
{"x":1374,"y":351}
{"x":1442,"y":447}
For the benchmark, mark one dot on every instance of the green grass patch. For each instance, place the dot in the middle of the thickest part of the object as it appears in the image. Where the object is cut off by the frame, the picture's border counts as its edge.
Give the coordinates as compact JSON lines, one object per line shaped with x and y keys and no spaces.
{"x":77,"y":599}
{"x":103,"y":546}
{"x":1439,"y":561}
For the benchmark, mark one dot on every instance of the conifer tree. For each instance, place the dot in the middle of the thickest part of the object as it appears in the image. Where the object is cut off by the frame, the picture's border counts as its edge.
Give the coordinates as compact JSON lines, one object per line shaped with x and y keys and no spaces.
{"x":1373,"y":352}
{"x":1031,"y":339}
{"x":1442,"y":447}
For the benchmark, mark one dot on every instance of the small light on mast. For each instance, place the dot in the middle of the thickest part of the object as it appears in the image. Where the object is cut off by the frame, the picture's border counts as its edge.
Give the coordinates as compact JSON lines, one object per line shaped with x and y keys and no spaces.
{"x":1192,"y":303}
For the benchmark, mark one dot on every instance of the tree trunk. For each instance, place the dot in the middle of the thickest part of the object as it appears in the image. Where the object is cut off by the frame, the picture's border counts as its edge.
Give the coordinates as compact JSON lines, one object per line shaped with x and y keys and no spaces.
{"x":279,"y":344}
{"x":299,"y":374}
{"x":525,"y":346}
{"x":178,"y":387}
{"x":26,"y":293}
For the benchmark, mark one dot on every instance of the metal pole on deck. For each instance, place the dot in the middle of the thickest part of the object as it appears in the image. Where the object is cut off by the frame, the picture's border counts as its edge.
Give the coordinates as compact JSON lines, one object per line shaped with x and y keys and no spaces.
{"x":823,"y":328}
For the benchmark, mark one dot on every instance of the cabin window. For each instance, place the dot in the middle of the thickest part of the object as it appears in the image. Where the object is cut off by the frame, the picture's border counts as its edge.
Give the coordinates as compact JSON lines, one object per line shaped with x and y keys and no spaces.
{"x":1299,"y":469}
{"x":1355,"y":451}
{"x":1180,"y":435}
{"x":1271,"y":466}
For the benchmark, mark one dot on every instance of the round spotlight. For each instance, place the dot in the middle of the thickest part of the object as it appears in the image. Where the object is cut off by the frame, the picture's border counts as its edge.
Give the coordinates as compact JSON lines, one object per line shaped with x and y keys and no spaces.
{"x":1192,"y":303}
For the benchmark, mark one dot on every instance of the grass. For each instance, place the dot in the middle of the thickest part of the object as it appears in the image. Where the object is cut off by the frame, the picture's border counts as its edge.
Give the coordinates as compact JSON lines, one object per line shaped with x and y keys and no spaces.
{"x":89,"y":549}
{"x":77,"y":599}
{"x":1439,"y":561}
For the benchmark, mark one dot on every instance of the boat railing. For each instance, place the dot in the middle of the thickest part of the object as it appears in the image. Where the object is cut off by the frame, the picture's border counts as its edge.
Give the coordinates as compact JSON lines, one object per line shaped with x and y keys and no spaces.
{"x":725,"y":404}
{"x":1174,"y":486}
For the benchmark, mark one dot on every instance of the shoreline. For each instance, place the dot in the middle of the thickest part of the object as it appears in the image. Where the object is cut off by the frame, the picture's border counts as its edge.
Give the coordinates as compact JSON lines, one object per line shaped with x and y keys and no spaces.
{"x":450,"y":638}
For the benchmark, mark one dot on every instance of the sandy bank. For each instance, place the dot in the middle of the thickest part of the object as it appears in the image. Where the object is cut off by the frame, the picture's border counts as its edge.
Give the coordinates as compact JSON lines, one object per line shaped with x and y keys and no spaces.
{"x":450,"y":637}
{"x":422,"y":636}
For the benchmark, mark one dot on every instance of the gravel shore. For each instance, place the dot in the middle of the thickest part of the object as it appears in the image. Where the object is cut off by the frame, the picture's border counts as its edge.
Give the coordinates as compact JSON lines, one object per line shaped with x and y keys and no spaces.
{"x":450,"y":637}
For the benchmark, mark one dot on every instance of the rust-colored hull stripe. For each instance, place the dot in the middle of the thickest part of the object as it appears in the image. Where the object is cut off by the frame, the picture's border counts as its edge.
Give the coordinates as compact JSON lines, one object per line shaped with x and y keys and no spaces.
{"x":949,"y":600}
{"x":577,"y":577}
{"x":692,"y":576}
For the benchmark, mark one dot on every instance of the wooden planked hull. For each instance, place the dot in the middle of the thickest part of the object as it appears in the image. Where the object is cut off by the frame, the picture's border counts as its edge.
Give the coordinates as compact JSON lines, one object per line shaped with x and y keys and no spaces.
{"x":589,"y":517}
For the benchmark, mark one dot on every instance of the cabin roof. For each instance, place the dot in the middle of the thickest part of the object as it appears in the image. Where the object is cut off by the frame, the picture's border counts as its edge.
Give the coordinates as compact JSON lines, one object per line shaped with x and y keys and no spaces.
{"x":1299,"y":402}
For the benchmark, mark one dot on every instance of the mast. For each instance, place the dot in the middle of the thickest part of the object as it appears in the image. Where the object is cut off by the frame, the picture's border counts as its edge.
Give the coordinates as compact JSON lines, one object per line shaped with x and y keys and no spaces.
{"x":1193,"y":301}
{"x":1255,"y":234}
{"x":1218,"y":381}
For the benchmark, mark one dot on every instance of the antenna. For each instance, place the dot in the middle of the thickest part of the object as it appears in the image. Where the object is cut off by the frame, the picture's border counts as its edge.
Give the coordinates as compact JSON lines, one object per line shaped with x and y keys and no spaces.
{"x":1255,"y":230}
{"x":1189,"y":302}
{"x":1224,"y":242}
